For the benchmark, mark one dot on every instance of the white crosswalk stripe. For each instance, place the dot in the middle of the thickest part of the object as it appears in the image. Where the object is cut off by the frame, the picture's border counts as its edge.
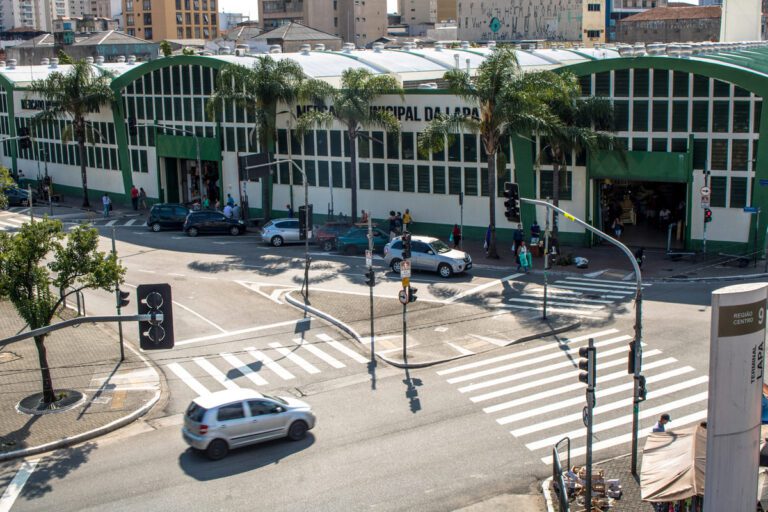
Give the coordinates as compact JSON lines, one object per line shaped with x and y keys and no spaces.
{"x":270,"y":363}
{"x":215,"y":373}
{"x":535,"y":392}
{"x":243,"y":368}
{"x":188,"y":379}
{"x":303,"y":363}
{"x":343,"y":349}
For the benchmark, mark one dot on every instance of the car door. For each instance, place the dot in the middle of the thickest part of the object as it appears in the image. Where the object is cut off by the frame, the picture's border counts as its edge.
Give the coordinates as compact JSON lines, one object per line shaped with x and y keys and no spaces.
{"x":293,"y":230}
{"x":178,"y":217}
{"x":419,"y":257}
{"x":268,"y":419}
{"x":164,"y":216}
{"x":217,"y":223}
{"x":380,"y":239}
{"x":233,"y":424}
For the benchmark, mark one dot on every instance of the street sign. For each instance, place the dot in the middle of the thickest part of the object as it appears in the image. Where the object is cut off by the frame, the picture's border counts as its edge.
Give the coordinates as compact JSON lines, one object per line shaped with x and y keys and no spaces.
{"x":585,"y":416}
{"x":705,"y":201}
{"x":405,"y":268}
{"x":751,"y":209}
{"x":368,"y":258}
{"x":403,"y":296}
{"x":705,"y":191}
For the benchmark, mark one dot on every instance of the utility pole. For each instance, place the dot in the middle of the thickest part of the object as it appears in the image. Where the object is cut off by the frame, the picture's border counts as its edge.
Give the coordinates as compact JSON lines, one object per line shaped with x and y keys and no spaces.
{"x":546,"y":260}
{"x":461,"y":219}
{"x":371,"y":283}
{"x":588,"y":363}
{"x":118,"y":303}
{"x":704,"y":234}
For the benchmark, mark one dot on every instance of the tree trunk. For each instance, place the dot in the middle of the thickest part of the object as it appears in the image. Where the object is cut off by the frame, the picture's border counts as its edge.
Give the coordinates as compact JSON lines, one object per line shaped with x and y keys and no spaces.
{"x":45,"y":372}
{"x":352,"y":134}
{"x":492,"y":251}
{"x":83,"y":174}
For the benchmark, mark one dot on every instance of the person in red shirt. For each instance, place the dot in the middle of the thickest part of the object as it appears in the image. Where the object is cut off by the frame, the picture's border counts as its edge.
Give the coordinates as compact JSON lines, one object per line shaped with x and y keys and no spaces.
{"x":135,"y":197}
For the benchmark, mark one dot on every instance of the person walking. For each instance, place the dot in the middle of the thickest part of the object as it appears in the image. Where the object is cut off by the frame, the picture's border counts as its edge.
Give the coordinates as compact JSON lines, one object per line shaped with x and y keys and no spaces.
{"x":106,"y":202}
{"x":230,"y":200}
{"x":134,"y":198}
{"x":142,"y":198}
{"x":217,"y":205}
{"x":640,"y":257}
{"x":392,"y":225}
{"x":524,"y":258}
{"x":517,"y":239}
{"x":363,"y":217}
{"x":407,"y":219}
{"x":399,"y":223}
{"x":206,"y":203}
{"x":660,"y":425}
{"x":487,"y":242}
{"x":617,"y":227}
{"x":236,"y":212}
{"x":456,"y":235}
{"x":290,"y":211}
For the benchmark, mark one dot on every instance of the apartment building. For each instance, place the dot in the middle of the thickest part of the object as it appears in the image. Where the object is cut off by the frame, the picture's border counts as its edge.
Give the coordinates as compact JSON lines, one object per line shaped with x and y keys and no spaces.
{"x":156,"y":20}
{"x":446,"y":10}
{"x":36,"y":14}
{"x":95,"y":8}
{"x":417,"y":12}
{"x":357,"y":21}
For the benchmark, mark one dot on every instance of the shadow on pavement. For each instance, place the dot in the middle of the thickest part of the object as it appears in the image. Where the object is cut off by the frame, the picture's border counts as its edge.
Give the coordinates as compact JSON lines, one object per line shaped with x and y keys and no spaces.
{"x":241,"y":460}
{"x":53,"y":466}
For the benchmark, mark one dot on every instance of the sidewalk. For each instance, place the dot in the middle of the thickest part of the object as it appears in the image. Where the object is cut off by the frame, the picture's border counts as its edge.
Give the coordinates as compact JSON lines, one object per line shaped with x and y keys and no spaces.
{"x":85,"y":359}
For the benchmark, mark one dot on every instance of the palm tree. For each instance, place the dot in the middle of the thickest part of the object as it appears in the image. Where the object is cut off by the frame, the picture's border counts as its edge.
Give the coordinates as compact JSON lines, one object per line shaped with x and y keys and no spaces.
{"x":582,"y":125}
{"x":73,"y":95}
{"x":509,"y":102}
{"x":351,"y":106}
{"x":259,"y":90}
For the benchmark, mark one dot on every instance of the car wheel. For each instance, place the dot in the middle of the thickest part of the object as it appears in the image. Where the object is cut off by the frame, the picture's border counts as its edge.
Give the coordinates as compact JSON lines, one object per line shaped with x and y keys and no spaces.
{"x":445,"y":270}
{"x":217,"y":450}
{"x":350,"y":250}
{"x":234,"y":231}
{"x":297,"y":431}
{"x":192,"y":232}
{"x":156,"y":227}
{"x":395,"y":265}
{"x":328,"y":245}
{"x":276,"y":241}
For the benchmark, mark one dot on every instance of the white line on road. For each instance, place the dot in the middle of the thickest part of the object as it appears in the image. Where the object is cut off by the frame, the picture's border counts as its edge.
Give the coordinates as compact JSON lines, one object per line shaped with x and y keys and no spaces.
{"x":563,"y":311}
{"x":461,"y":350}
{"x":110,"y":223}
{"x":481,"y":287}
{"x":319,"y":353}
{"x":585,"y":288}
{"x":608,"y":281}
{"x":269,"y":363}
{"x":188,"y":379}
{"x":240,"y":331}
{"x":174,"y":274}
{"x":17,"y":484}
{"x":341,"y":348}
{"x":130,"y":222}
{"x":600,"y":283}
{"x":300,"y":361}
{"x":215,"y":373}
{"x":243,"y":368}
{"x":201,"y":317}
{"x":145,"y":271}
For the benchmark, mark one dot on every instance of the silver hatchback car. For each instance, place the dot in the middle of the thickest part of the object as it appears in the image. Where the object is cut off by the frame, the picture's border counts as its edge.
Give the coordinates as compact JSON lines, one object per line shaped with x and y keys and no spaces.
{"x":281,"y":231}
{"x":428,"y":253}
{"x":227,"y":419}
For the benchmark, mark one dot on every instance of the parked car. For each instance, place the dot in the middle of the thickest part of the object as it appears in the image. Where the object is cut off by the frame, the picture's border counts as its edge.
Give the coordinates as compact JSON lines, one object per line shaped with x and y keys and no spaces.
{"x":428,"y":253}
{"x":281,"y":231}
{"x":217,"y":422}
{"x":209,"y":221}
{"x":355,"y":241}
{"x":325,"y":235}
{"x":18,"y":196}
{"x":167,"y":216}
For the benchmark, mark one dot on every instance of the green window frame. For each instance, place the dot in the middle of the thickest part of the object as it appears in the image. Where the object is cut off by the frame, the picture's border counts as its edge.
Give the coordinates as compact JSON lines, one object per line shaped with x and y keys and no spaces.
{"x":717,"y":187}
{"x":323,"y":178}
{"x":337,"y":175}
{"x":310,"y":171}
{"x":322,"y":142}
{"x":680,"y":116}
{"x":639,"y":144}
{"x":546,"y":184}
{"x":379,"y":177}
{"x":659,"y":145}
{"x":660,"y":116}
{"x":407,"y":145}
{"x":393,"y":177}
{"x":423,"y":179}
{"x":621,"y":115}
{"x":739,"y":154}
{"x":738,"y":193}
{"x":700,"y":86}
{"x":640,"y":116}
{"x":309,"y":143}
{"x":393,"y":145}
{"x":718,"y":159}
{"x":681,"y":84}
{"x":603,"y":83}
{"x":377,"y":140}
{"x":700,"y":148}
{"x":454,"y":180}
{"x":470,"y":181}
{"x":621,"y":83}
{"x":335,"y":143}
{"x":758,"y":110}
{"x":409,"y":179}
{"x":641,"y":83}
{"x":741,"y":116}
{"x":660,"y":83}
{"x":721,"y":89}
{"x":363,"y":145}
{"x":438,"y":179}
{"x":700,"y":116}
{"x":454,"y":148}
{"x":470,"y":147}
{"x":720,"y":116}
{"x":364,"y":176}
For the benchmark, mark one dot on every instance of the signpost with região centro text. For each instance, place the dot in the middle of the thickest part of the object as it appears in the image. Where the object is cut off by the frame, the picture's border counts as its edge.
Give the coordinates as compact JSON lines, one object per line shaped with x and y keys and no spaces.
{"x":736,"y":367}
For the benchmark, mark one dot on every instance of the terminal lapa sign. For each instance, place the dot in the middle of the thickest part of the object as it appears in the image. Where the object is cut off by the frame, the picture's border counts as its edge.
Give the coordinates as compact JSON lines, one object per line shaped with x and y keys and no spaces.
{"x":406,"y":112}
{"x":742,"y":319}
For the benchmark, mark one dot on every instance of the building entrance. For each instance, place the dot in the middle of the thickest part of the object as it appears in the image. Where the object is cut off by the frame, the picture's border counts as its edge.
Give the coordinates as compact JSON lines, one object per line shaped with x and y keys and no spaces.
{"x":643,"y":211}
{"x":187,"y":184}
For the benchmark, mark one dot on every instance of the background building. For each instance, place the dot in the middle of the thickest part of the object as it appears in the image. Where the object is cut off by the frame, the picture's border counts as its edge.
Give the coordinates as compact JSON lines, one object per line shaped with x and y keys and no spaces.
{"x":229,"y":20}
{"x":620,"y":9}
{"x":112,"y":46}
{"x":446,"y":10}
{"x":166,"y":19}
{"x":292,"y":37}
{"x":36,"y":14}
{"x":96,"y":8}
{"x":671,"y":24}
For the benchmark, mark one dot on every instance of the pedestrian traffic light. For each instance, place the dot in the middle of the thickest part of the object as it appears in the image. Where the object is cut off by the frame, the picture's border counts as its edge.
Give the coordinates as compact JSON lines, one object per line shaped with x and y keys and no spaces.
{"x":512,"y":201}
{"x":406,"y":246}
{"x":412,"y":294}
{"x":133,"y":130}
{"x":640,"y":390}
{"x":588,"y":364}
{"x":24,"y":141}
{"x":370,"y":278}
{"x":157,"y":332}
{"x":122,"y":298}
{"x":707,"y":215}
{"x":303,"y":221}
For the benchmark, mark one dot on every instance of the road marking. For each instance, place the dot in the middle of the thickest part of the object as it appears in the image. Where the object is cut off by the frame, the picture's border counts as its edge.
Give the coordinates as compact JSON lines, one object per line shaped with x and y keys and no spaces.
{"x":461,"y":350}
{"x":300,"y":361}
{"x":481,"y":287}
{"x":319,"y":353}
{"x":14,"y":489}
{"x":493,"y":341}
{"x":174,"y":274}
{"x":215,"y":373}
{"x":188,"y":379}
{"x":577,"y":298}
{"x":521,"y":353}
{"x":145,"y":271}
{"x":246,"y":370}
{"x":130,"y":222}
{"x":563,"y":311}
{"x":601,"y":284}
{"x":201,"y":317}
{"x":596,"y":274}
{"x":341,"y":348}
{"x":226,"y":334}
{"x":256,"y":287}
{"x":608,"y":281}
{"x":554,"y":302}
{"x":585,"y":288}
{"x":110,"y":223}
{"x":269,"y":363}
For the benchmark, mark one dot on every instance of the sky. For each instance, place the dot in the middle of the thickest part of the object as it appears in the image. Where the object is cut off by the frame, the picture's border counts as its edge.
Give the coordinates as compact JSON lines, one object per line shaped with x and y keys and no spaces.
{"x":250,"y":6}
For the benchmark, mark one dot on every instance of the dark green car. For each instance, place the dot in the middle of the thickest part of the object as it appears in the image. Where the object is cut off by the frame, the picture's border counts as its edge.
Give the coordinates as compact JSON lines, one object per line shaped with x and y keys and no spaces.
{"x":355,"y":241}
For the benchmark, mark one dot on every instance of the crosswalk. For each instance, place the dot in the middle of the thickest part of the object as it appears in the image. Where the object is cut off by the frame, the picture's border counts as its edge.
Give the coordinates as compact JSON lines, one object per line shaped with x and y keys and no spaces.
{"x":574,"y":296}
{"x":12,"y":219}
{"x":266,"y":366}
{"x":535,"y":392}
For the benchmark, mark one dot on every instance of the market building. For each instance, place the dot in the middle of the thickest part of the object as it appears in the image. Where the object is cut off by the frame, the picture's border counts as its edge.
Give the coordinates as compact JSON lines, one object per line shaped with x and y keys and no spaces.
{"x":680,"y":111}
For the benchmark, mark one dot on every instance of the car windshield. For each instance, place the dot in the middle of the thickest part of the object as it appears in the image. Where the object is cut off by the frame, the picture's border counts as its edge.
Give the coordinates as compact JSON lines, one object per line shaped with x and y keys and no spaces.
{"x":440,"y":247}
{"x":276,"y":399}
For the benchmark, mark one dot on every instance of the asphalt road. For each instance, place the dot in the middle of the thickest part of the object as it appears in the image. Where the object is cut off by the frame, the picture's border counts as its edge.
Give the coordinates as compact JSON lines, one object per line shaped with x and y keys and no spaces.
{"x":433,"y":439}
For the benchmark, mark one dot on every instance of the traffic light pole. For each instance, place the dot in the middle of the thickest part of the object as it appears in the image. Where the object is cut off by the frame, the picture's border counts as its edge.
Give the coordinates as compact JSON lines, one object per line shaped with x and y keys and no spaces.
{"x":592,"y":369}
{"x":118,"y":299}
{"x":370,"y":287}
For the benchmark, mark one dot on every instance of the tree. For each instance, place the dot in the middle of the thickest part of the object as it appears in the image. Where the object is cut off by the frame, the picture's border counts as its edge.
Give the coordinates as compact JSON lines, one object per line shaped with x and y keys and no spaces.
{"x":6,"y":182}
{"x":188,"y":51}
{"x":165,"y":47}
{"x":40,"y":266}
{"x":73,"y":95}
{"x":64,"y":58}
{"x":351,"y":106}
{"x":259,"y":90}
{"x":509,"y":102}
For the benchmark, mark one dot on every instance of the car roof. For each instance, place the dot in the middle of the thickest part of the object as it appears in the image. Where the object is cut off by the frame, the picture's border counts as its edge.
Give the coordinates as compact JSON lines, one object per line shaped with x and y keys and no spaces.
{"x":226,"y":396}
{"x":425,"y":239}
{"x":169,"y":204}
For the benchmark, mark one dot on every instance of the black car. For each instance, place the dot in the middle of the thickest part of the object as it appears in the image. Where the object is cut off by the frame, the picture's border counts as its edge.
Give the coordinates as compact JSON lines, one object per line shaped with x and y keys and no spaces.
{"x":18,"y":196}
{"x":209,"y":221}
{"x":167,"y":216}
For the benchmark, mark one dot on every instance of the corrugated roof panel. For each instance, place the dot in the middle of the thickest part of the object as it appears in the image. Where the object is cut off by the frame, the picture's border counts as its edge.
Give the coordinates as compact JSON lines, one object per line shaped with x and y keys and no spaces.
{"x":399,"y":61}
{"x":447,"y":58}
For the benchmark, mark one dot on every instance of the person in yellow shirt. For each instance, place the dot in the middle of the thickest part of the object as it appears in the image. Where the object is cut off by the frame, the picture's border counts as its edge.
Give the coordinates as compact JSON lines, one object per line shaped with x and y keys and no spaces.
{"x":407,"y":219}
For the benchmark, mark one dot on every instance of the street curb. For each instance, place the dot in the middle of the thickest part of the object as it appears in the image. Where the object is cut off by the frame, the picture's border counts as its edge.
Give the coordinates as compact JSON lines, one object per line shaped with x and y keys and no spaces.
{"x":545,"y":486}
{"x":349,"y":330}
{"x":713,"y":278}
{"x":97,"y":432}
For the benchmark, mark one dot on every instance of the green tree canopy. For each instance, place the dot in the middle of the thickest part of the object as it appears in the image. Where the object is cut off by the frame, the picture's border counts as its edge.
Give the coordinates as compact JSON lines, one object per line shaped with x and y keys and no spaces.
{"x":165,"y":48}
{"x":6,"y":182}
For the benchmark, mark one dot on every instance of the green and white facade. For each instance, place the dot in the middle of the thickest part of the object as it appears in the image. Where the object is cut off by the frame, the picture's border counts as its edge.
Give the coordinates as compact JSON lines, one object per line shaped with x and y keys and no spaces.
{"x":679,"y":115}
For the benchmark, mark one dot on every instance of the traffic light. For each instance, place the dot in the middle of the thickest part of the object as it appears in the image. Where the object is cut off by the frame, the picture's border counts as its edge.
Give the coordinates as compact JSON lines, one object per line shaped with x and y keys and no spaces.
{"x":640,"y":390}
{"x":412,"y":294}
{"x":303,"y":221}
{"x":370,"y":278}
{"x":707,"y":215}
{"x":588,"y":364}
{"x":133,"y":130}
{"x":24,"y":141}
{"x":156,"y":333}
{"x":406,"y":246}
{"x":122,"y":298}
{"x":512,"y":201}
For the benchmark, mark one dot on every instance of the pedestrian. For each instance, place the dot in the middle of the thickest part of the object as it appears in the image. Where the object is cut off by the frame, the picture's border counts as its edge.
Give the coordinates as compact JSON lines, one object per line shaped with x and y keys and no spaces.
{"x":290,"y":211}
{"x":134,"y":198}
{"x":107,"y":204}
{"x":217,"y":205}
{"x":517,"y":239}
{"x":399,"y":223}
{"x":392,"y":225}
{"x":535,"y":232}
{"x":660,"y":425}
{"x":456,"y":236}
{"x":236,"y":212}
{"x":363,"y":217}
{"x":196,"y":205}
{"x":640,"y":256}
{"x":407,"y":219}
{"x":206,"y":203}
{"x":524,"y":259}
{"x":228,"y":211}
{"x":142,"y":198}
{"x":230,"y":200}
{"x":617,"y":227}
{"x":487,"y":243}
{"x":664,"y":215}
